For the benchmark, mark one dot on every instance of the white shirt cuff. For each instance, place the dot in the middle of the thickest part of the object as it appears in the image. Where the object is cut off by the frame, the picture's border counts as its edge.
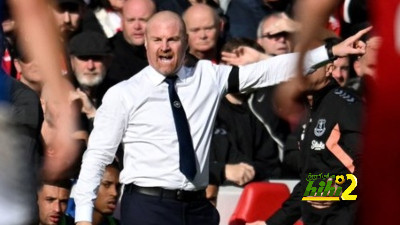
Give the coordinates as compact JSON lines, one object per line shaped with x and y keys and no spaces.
{"x":83,"y":213}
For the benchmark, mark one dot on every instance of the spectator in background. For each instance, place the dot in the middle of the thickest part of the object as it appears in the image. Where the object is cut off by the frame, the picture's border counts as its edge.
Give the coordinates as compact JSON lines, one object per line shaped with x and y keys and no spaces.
{"x":203,"y":26}
{"x":274,"y":31}
{"x":68,"y":15}
{"x":107,"y":197}
{"x":90,"y":55}
{"x":341,"y":66}
{"x":340,"y":70}
{"x":52,"y":202}
{"x":27,"y":70}
{"x":128,"y":45}
{"x":273,"y":34}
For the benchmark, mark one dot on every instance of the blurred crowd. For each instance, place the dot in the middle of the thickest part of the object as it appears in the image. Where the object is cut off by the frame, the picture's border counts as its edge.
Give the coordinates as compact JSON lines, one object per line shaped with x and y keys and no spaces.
{"x":103,"y":43}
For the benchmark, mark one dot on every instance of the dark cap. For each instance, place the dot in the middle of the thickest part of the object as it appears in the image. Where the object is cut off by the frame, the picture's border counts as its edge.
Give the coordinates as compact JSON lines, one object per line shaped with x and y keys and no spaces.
{"x":69,"y":1}
{"x":89,"y":43}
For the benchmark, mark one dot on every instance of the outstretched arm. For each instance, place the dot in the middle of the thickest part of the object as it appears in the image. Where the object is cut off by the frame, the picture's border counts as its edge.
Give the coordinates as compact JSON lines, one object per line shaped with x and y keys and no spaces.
{"x":245,"y":55}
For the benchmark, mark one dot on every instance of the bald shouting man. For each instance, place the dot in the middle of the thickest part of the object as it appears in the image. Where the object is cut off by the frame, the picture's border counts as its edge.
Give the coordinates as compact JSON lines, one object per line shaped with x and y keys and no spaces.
{"x":164,"y":116}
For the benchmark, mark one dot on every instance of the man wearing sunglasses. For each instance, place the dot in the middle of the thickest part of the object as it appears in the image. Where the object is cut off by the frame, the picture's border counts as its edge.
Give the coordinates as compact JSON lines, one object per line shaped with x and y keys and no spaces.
{"x":273,"y":33}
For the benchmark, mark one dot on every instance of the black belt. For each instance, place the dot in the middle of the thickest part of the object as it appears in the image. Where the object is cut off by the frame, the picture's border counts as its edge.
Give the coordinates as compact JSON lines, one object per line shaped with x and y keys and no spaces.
{"x":180,"y":195}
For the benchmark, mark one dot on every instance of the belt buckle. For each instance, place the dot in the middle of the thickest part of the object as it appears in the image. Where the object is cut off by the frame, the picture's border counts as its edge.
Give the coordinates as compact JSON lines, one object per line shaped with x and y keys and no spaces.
{"x":180,"y":195}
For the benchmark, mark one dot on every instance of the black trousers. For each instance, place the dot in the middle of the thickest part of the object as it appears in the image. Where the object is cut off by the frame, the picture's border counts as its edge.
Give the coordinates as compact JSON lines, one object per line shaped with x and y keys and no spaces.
{"x":141,"y":209}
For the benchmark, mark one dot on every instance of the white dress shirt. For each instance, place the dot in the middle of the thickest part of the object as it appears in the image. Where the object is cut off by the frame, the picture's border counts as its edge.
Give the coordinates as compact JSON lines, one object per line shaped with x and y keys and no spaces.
{"x":138,"y":113}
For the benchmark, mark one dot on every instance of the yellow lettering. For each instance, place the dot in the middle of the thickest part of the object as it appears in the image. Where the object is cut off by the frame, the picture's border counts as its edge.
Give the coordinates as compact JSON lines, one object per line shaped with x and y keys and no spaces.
{"x":346,"y":194}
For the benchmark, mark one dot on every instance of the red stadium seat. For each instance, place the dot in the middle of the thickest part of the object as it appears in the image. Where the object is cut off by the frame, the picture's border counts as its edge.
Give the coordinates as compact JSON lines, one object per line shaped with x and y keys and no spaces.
{"x":259,"y":201}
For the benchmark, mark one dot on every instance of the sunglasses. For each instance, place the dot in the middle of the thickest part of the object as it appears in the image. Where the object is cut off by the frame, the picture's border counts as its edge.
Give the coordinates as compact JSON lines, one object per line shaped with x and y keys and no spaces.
{"x":275,"y":36}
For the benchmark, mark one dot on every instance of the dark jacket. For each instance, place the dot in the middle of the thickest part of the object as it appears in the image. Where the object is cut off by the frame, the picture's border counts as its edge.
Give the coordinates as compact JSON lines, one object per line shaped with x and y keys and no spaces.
{"x":240,"y":137}
{"x":26,"y":117}
{"x":127,"y":61}
{"x":335,"y":111}
{"x":328,"y":143}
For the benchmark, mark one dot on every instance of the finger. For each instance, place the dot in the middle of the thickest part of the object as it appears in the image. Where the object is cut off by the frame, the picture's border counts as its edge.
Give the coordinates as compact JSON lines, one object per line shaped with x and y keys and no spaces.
{"x":79,"y":90}
{"x":245,"y":165}
{"x":228,"y":54}
{"x":252,"y":173}
{"x":82,"y":95}
{"x":359,"y":34}
{"x":246,"y":175}
{"x":73,"y":96}
{"x":240,"y":182}
{"x":229,"y":59}
{"x":249,"y":175}
{"x":356,"y":51}
{"x":361,"y":45}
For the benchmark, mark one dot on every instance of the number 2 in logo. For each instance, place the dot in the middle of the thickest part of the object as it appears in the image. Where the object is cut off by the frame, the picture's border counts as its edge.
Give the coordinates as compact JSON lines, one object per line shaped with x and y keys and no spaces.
{"x":346,"y":194}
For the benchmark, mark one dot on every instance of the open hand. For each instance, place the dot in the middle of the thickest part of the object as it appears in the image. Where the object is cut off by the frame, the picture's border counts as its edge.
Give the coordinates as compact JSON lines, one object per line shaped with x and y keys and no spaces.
{"x":243,"y":55}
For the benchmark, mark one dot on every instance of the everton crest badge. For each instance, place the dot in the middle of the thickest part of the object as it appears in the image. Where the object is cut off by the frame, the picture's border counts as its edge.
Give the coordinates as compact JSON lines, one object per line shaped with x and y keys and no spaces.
{"x":319,"y":130}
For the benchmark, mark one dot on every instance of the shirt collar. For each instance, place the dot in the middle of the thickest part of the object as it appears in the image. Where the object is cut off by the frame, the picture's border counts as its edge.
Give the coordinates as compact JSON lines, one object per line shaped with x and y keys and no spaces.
{"x":157,"y":78}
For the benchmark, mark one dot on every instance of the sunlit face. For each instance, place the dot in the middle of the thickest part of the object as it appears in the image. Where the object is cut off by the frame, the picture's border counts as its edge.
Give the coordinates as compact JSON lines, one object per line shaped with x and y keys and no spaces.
{"x":68,"y":17}
{"x":135,"y":15}
{"x":108,"y":193}
{"x":202,"y":29}
{"x":116,"y":4}
{"x":340,"y":70}
{"x":89,"y":70}
{"x":52,"y":201}
{"x":274,"y":44}
{"x":166,"y":44}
